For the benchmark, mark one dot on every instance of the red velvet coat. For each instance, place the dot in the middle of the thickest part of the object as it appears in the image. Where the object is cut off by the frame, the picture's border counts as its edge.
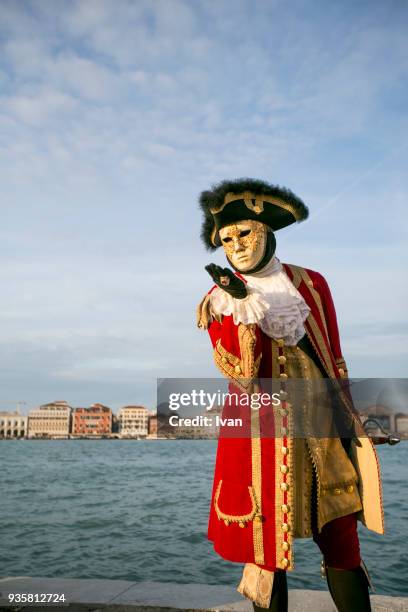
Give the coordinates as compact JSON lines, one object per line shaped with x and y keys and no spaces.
{"x":247,"y":522}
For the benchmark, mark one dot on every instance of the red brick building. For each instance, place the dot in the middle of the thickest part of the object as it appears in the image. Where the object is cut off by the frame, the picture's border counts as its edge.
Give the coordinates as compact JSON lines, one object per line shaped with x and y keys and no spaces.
{"x":96,"y":420}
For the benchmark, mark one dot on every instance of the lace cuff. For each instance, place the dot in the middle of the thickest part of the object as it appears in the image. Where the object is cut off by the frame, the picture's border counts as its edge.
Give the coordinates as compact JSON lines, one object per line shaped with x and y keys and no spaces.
{"x":256,"y":584}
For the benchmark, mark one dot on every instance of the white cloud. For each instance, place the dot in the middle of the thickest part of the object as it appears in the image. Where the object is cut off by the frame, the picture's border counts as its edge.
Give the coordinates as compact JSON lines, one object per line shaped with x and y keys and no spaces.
{"x":86,"y":78}
{"x":38,"y":108}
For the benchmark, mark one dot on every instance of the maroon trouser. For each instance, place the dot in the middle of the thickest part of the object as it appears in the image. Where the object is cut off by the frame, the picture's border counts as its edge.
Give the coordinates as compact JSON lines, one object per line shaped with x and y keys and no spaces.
{"x":338,"y":539}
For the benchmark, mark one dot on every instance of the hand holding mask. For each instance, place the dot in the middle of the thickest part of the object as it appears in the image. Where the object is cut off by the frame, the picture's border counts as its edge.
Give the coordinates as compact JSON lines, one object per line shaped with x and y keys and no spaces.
{"x":227,"y":280}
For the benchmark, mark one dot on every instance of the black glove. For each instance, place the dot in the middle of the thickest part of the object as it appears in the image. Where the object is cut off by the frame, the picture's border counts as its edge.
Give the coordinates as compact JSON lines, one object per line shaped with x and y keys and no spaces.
{"x":226,"y":279}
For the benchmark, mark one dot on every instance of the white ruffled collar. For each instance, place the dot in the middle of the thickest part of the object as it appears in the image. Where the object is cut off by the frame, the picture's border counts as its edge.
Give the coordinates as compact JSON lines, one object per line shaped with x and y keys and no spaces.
{"x":273,"y":302}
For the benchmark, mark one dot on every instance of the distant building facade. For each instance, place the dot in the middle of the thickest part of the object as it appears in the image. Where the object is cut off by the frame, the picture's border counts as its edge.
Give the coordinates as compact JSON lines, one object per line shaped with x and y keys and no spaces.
{"x":50,"y":420}
{"x":93,"y":421}
{"x":13,"y":425}
{"x":133,"y":421}
{"x":382,"y":414}
{"x":152,"y":425}
{"x":401,"y":425}
{"x":208,"y":429}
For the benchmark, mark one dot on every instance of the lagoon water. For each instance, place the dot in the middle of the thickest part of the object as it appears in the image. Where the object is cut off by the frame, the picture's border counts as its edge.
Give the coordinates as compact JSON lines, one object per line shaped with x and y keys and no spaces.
{"x":138,"y":510}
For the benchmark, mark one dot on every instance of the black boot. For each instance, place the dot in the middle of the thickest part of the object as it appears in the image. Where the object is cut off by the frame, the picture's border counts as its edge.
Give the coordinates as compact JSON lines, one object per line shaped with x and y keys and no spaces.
{"x":279,"y":596}
{"x":349,"y":589}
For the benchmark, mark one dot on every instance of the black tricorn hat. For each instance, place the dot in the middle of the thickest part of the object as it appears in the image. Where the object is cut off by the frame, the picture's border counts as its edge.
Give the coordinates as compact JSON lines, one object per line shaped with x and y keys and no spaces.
{"x":243,"y":199}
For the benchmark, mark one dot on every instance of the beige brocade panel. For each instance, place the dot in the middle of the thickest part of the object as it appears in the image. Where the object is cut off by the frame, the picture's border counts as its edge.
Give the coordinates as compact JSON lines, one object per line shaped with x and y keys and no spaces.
{"x":303,"y":474}
{"x":331,"y":462}
{"x":302,"y":463}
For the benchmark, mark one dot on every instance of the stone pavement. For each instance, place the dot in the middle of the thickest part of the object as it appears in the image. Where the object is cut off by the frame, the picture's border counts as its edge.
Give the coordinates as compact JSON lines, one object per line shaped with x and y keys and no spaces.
{"x":124,"y":596}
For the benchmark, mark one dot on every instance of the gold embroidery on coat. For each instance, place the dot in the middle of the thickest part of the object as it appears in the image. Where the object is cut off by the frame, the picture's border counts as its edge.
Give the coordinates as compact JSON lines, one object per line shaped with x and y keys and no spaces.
{"x":315,"y":294}
{"x":233,"y":359}
{"x":233,"y":367}
{"x":257,"y":527}
{"x":284,"y":483}
{"x":236,"y":518}
{"x":297,"y":278}
{"x":247,"y":342}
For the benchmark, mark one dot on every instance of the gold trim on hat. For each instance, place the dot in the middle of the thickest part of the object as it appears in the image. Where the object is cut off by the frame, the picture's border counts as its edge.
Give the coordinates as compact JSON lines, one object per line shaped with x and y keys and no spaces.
{"x":258,"y":207}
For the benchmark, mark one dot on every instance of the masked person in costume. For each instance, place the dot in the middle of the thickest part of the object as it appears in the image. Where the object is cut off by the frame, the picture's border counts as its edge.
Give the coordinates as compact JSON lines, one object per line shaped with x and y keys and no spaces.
{"x":273,"y":320}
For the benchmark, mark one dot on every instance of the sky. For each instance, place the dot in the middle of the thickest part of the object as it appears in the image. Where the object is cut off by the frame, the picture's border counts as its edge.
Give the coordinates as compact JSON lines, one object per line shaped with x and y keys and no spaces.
{"x":115,"y":115}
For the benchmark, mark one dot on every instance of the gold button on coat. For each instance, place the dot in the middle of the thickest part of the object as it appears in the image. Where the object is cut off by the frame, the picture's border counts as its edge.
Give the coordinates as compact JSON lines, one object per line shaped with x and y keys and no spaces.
{"x":237,"y":369}
{"x":336,"y":491}
{"x":284,"y":486}
{"x":283,"y":375}
{"x":280,"y":342}
{"x":285,"y":527}
{"x":284,"y":450}
{"x":284,"y":469}
{"x":284,"y":562}
{"x":285,"y":508}
{"x":285,"y":546}
{"x":350,"y":489}
{"x":282,"y":359}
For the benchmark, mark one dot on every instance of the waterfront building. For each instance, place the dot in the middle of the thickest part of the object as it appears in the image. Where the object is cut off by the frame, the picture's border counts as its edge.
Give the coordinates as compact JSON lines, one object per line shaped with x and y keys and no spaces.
{"x":13,"y":425}
{"x":133,"y":421}
{"x":93,"y":421}
{"x":401,"y":425}
{"x":152,"y":425}
{"x":51,"y":420}
{"x":205,"y":425}
{"x":382,"y":414}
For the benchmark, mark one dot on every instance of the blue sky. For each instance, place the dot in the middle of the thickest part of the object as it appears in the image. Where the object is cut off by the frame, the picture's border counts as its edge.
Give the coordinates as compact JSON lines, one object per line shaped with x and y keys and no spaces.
{"x":115,"y":115}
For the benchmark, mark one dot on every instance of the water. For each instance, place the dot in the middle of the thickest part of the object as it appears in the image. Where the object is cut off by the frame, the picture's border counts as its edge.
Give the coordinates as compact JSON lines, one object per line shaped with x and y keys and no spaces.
{"x":138,"y":510}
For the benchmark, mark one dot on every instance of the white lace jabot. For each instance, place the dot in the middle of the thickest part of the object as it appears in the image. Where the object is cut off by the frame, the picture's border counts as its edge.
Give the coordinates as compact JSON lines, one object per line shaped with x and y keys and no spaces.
{"x":273,"y":302}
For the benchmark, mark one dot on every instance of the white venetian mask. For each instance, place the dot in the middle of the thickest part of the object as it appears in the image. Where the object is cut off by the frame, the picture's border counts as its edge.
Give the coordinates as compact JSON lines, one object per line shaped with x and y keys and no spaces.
{"x":244,"y":243}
